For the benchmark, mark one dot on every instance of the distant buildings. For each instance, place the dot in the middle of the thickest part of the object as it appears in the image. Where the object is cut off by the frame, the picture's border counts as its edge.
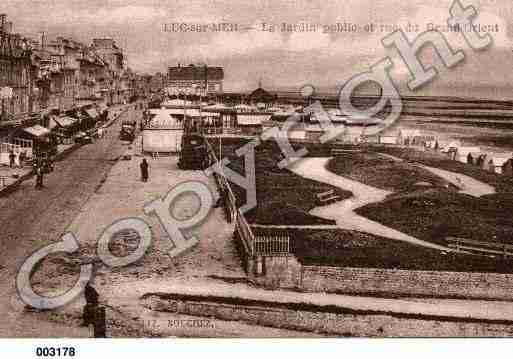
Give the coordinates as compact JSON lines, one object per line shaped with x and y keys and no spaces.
{"x":39,"y":77}
{"x":17,"y":90}
{"x":199,"y":80}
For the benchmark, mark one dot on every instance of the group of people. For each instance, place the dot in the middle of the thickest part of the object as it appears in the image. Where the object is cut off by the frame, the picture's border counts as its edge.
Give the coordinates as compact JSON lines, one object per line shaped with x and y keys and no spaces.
{"x":17,"y":159}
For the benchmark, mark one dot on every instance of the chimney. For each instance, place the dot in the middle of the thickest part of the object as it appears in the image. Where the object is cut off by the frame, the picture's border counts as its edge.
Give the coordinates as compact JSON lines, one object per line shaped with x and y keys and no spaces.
{"x":43,"y":41}
{"x":3,"y":19}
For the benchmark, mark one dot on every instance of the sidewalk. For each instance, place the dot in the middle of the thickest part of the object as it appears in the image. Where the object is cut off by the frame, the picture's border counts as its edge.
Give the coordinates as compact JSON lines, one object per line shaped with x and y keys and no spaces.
{"x":11,"y":178}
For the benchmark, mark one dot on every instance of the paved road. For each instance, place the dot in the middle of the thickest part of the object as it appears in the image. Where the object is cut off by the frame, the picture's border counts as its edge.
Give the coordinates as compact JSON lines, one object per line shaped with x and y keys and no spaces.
{"x":343,"y":211}
{"x":30,"y":219}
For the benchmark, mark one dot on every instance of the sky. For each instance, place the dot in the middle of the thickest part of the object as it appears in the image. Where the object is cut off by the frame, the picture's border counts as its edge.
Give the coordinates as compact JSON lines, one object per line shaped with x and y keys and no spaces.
{"x":281,"y":59}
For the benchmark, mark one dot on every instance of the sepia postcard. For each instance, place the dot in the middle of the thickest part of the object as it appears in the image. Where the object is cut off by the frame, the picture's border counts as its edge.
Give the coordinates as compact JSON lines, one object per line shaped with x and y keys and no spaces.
{"x":255,"y":169}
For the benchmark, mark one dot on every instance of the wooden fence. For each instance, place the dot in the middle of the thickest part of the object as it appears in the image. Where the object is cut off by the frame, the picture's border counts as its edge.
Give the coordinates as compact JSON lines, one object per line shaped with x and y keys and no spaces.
{"x":267,"y":246}
{"x":483,"y":248}
{"x":271,"y":245}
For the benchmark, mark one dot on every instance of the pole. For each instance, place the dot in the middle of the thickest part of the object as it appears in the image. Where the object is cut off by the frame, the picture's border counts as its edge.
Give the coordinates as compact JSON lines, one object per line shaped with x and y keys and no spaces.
{"x":185,"y":115}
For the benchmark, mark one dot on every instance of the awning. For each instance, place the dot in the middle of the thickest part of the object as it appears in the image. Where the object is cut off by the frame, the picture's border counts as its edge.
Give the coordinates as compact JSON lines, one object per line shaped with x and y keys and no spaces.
{"x":252,"y":119}
{"x":91,"y":112}
{"x":65,"y":121}
{"x":37,"y":131}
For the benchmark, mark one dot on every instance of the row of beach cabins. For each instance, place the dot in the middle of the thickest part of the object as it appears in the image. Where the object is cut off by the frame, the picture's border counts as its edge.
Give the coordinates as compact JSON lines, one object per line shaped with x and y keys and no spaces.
{"x":500,"y":163}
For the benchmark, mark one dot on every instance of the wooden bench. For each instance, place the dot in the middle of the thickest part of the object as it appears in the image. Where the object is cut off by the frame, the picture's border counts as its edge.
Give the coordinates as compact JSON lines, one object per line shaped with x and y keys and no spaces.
{"x":484,"y":248}
{"x":327,"y":197}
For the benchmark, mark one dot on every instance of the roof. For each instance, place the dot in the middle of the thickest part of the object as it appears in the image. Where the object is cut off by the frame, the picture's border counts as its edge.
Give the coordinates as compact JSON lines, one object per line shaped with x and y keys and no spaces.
{"x":252,"y":119}
{"x":197,"y":73}
{"x":261,"y":95}
{"x":176,"y":103}
{"x":409,"y":132}
{"x":475,"y":154}
{"x":465,"y":150}
{"x":499,"y":161}
{"x":37,"y":131}
{"x":166,"y":118}
{"x":65,"y":121}
{"x":217,"y":107}
{"x":161,"y":121}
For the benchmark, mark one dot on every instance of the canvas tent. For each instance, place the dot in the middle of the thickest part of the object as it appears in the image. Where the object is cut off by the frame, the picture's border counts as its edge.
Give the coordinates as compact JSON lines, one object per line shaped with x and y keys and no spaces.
{"x":163,"y":132}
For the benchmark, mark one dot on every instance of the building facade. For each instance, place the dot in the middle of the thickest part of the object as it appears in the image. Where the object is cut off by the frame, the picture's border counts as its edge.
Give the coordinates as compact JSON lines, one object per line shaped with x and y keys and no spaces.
{"x":200,"y":80}
{"x":18,"y":98}
{"x":113,"y":58}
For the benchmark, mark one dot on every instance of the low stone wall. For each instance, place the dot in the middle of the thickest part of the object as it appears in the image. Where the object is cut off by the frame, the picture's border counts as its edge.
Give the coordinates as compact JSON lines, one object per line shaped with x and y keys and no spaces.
{"x":277,"y":272}
{"x":287,"y":272}
{"x":405,"y":282}
{"x":329,"y":320}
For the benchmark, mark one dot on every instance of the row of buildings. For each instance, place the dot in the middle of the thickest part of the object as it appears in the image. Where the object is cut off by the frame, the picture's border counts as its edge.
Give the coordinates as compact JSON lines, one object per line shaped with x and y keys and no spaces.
{"x":42,"y":75}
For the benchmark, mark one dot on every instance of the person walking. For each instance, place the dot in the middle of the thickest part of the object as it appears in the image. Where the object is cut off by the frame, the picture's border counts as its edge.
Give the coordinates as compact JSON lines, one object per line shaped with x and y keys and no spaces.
{"x":144,"y":170}
{"x":12,"y":158}
{"x":39,"y":177}
{"x":17,"y":159}
{"x":23,"y":156}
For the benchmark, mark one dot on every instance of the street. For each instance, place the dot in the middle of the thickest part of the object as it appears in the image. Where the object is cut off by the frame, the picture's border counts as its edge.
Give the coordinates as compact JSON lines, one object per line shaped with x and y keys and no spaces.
{"x":30,"y":219}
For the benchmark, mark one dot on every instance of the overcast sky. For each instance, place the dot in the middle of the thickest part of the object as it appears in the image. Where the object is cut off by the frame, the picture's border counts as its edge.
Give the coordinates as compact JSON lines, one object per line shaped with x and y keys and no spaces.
{"x":280,"y":59}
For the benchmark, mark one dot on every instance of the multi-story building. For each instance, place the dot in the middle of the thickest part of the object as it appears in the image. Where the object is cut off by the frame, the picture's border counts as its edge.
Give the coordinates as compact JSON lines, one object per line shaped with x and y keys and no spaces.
{"x":16,"y":74}
{"x":113,"y":58}
{"x":91,"y":71}
{"x":69,"y":53}
{"x":195,"y":79}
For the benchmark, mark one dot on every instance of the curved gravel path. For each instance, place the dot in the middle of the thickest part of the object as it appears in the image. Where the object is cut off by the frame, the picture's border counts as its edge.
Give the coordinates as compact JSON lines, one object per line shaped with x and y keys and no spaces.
{"x":466,"y":184}
{"x":343,"y":212}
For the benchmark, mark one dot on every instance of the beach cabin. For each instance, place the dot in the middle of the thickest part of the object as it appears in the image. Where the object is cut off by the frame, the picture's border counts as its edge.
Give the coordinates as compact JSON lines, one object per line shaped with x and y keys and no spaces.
{"x":388,"y":139}
{"x":406,"y":137}
{"x":496,"y":164}
{"x":483,"y":161}
{"x":473,"y":158}
{"x":507,"y":168}
{"x":462,"y":153}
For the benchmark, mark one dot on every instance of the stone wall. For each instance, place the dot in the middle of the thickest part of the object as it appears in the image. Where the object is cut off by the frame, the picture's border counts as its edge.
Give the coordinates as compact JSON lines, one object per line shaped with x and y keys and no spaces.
{"x":277,"y":272}
{"x":287,"y":272}
{"x":335,"y":321}
{"x":405,"y":282}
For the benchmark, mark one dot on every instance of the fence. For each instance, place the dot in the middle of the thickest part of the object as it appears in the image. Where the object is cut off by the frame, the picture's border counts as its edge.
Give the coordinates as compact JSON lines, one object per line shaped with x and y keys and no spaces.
{"x":483,"y":248}
{"x":267,"y":246}
{"x":271,"y":245}
{"x":22,"y":143}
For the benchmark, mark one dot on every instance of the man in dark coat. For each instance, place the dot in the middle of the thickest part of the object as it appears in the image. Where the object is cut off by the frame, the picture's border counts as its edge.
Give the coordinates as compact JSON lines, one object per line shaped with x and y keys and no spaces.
{"x":39,"y":176}
{"x":144,"y":170}
{"x":12,"y":157}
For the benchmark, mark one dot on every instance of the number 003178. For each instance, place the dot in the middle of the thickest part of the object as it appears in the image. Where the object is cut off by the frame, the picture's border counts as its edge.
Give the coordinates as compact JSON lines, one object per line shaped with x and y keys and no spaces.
{"x":55,"y":352}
